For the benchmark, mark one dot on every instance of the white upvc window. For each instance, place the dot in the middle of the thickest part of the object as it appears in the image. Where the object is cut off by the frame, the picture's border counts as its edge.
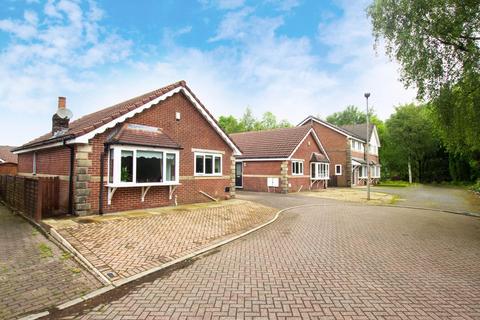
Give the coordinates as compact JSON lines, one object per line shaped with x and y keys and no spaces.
{"x":297,"y":168}
{"x":319,"y":171}
{"x":362,"y":171}
{"x":357,"y":145}
{"x":375,"y":171}
{"x":338,"y":169}
{"x":208,"y":164}
{"x":142,"y":166}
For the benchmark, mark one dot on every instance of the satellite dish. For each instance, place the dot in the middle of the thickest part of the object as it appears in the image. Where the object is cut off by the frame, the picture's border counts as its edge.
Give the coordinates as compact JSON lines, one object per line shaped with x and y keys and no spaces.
{"x":64,"y":113}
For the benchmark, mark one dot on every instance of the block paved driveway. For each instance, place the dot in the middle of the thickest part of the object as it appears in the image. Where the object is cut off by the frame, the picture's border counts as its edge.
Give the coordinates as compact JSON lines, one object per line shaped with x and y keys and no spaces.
{"x":125,"y":244}
{"x":332,"y":261}
{"x":34,"y":273}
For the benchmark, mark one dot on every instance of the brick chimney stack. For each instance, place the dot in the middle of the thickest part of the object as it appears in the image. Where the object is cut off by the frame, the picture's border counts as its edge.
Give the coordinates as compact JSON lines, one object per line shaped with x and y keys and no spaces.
{"x":60,"y":119}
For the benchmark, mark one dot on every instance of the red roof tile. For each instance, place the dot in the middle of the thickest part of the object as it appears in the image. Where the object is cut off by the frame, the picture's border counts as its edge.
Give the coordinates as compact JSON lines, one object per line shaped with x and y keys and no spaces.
{"x":6,"y":155}
{"x":276,"y":143}
{"x":140,"y":135}
{"x":96,"y":119}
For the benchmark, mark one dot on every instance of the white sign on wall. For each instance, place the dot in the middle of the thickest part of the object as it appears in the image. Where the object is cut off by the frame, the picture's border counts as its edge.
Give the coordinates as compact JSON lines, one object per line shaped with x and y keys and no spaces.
{"x":273,"y":182}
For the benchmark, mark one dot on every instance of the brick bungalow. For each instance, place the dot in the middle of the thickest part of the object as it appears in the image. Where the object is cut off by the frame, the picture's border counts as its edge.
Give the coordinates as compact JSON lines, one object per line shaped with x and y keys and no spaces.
{"x":160,"y":148}
{"x":281,"y":160}
{"x":346,"y":147}
{"x":8,"y":161}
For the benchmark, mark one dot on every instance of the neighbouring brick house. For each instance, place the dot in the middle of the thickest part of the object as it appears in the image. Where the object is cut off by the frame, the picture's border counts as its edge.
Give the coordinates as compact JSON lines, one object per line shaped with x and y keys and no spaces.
{"x":281,"y":160}
{"x":346,"y":147}
{"x":161,"y":148}
{"x":8,"y":161}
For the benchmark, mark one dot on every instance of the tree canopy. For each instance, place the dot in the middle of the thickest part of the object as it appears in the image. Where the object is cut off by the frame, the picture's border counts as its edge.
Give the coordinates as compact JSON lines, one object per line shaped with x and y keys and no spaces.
{"x":351,"y":115}
{"x":248,"y":122}
{"x":437,"y":44}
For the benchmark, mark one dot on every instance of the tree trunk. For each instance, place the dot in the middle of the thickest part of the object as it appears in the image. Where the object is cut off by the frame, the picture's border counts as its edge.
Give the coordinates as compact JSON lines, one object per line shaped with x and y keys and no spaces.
{"x":409,"y":172}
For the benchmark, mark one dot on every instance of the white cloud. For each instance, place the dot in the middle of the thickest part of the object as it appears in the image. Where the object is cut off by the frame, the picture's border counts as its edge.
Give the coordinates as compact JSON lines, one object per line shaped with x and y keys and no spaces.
{"x":223,"y":4}
{"x":250,"y":64}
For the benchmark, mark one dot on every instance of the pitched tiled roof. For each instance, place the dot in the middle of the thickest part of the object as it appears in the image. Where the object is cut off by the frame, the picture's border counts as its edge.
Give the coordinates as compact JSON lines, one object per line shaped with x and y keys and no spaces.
{"x":328,"y":124}
{"x":140,"y":135}
{"x":318,"y":157}
{"x":276,"y":143}
{"x":359,"y":130}
{"x":6,"y":155}
{"x":96,"y":119}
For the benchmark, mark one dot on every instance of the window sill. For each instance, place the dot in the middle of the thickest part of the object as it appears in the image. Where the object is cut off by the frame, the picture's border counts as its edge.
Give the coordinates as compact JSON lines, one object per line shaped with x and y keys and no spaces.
{"x":146,"y":184}
{"x":208,"y":175}
{"x":320,"y":178}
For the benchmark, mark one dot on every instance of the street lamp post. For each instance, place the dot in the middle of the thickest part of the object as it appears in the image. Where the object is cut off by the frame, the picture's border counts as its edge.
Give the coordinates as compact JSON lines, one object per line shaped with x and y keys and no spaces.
{"x":367,"y":152}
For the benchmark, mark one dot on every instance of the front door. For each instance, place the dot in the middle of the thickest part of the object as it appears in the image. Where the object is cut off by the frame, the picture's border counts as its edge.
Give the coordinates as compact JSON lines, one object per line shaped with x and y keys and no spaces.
{"x":239,"y":174}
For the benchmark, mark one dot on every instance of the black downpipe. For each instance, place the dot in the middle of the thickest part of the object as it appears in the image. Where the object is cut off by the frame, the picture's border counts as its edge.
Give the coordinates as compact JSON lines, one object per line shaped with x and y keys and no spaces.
{"x":70,"y":181}
{"x":102,"y":169}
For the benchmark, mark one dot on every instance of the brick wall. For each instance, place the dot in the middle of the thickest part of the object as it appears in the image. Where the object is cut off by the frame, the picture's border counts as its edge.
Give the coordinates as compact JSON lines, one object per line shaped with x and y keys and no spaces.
{"x":256,"y":173}
{"x":304,"y":152}
{"x":49,"y":163}
{"x":192,"y":131}
{"x":336,"y":146}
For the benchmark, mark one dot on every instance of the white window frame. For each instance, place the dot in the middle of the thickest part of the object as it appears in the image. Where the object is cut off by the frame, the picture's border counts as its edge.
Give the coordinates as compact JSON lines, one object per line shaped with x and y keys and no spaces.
{"x":117,"y":160}
{"x":204,"y":154}
{"x":375,"y":171}
{"x":362,"y":172}
{"x":341,"y":170}
{"x":320,"y":167}
{"x":301,"y":168}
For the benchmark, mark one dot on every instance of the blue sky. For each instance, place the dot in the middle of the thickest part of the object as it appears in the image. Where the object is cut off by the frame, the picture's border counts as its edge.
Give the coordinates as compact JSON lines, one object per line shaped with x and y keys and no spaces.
{"x":291,"y":57}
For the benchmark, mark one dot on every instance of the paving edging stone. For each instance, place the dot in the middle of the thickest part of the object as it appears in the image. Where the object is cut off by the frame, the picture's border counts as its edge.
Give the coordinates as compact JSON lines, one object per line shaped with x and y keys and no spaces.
{"x":169,"y":264}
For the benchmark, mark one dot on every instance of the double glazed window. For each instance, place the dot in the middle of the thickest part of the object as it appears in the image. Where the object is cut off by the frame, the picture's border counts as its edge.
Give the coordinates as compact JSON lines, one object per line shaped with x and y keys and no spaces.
{"x":142,"y":166}
{"x":357,"y":145}
{"x":338,"y":169}
{"x":319,"y":171}
{"x":374,"y":172}
{"x":297,"y":168}
{"x":208,"y":164}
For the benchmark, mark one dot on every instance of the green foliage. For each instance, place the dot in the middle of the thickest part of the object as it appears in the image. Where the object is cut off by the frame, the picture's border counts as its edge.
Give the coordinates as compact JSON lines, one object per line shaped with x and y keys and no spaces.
{"x":410,"y":137}
{"x":476,"y":187}
{"x":45,"y":250}
{"x":230,"y":124}
{"x":351,"y":115}
{"x":456,"y":112}
{"x":248,"y":122}
{"x":438,"y":47}
{"x":436,"y":42}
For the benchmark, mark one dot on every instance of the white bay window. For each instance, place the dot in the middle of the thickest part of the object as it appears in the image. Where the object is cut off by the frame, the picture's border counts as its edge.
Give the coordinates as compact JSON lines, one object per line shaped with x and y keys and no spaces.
{"x":142,"y":166}
{"x":319,"y":171}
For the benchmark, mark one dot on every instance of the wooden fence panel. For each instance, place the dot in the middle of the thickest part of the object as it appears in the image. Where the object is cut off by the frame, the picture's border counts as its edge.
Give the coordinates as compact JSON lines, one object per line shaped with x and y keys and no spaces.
{"x":36,"y":198}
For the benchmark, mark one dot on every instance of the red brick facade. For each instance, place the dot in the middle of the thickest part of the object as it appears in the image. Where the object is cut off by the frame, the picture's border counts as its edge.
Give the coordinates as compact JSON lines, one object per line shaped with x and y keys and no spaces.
{"x":49,"y":163}
{"x":337,"y":147}
{"x":192,"y":131}
{"x":339,"y":150}
{"x":256,"y":173}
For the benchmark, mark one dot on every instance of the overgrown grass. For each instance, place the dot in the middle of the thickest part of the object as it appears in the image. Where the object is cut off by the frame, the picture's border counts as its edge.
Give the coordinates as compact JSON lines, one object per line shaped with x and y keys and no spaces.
{"x":393,"y":183}
{"x":45,"y":250}
{"x":476,"y":187}
{"x":394,"y":199}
